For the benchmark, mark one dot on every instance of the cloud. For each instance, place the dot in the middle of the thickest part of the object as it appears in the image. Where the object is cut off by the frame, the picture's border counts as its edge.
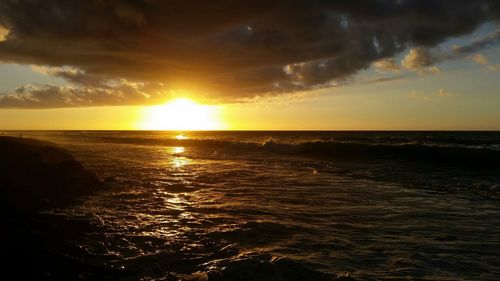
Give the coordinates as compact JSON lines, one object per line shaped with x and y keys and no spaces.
{"x":444,"y":93}
{"x":230,"y":50}
{"x":49,"y":96}
{"x":423,"y":59}
{"x":478,"y":44}
{"x":494,"y":67}
{"x":430,"y":70}
{"x":387,"y":65}
{"x":418,"y":58}
{"x":4,"y":33}
{"x":78,"y":77}
{"x":483,"y":60}
{"x":418,"y":96}
{"x":383,"y":79}
{"x":440,"y":93}
{"x":480,"y":59}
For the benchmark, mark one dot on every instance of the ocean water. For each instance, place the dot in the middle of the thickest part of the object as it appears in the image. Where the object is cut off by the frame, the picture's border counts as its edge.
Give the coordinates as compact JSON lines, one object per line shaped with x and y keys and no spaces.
{"x":287,"y":205}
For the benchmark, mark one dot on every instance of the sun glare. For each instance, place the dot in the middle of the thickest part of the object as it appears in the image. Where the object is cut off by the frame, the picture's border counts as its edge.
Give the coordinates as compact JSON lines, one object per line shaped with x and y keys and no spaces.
{"x":181,"y":114}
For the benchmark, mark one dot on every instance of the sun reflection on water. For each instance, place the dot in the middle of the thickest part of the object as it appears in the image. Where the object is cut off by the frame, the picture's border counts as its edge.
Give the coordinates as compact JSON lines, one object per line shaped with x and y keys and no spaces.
{"x":178,"y":161}
{"x":176,"y":202}
{"x":177,"y":150}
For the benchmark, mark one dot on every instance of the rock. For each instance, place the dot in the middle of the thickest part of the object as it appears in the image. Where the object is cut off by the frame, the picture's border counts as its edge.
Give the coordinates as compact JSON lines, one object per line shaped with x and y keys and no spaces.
{"x":37,"y":175}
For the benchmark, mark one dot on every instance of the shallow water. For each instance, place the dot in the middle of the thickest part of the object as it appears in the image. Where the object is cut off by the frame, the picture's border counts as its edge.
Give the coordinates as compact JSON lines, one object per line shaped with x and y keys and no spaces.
{"x":225,"y":206}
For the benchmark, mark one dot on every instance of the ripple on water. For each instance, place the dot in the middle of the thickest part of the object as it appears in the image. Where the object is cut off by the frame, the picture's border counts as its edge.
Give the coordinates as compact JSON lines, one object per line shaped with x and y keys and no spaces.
{"x":244,"y":219}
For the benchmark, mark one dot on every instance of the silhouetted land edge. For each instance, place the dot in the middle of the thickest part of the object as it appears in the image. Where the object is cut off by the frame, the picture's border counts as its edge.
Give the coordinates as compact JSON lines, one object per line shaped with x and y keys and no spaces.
{"x":38,"y":175}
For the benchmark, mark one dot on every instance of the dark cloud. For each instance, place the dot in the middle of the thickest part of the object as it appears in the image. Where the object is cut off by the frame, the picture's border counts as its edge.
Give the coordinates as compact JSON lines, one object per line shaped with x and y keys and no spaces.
{"x":423,"y":59}
{"x":227,"y":49}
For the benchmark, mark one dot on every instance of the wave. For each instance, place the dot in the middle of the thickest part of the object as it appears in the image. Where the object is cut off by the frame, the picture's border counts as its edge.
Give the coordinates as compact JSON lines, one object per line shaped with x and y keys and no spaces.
{"x":461,"y":156}
{"x":265,"y":267}
{"x":456,"y":156}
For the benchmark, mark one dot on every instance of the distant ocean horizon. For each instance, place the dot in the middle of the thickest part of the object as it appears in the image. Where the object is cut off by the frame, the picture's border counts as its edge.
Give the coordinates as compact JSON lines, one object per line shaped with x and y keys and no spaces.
{"x":374,"y":205}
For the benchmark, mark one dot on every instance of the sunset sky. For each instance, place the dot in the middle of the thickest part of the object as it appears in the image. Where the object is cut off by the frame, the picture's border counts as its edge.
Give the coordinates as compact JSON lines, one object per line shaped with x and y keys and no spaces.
{"x":259,"y":65}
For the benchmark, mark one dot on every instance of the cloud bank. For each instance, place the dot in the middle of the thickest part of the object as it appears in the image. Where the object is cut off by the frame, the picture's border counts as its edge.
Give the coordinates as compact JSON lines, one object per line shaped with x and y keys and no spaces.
{"x":228,"y":50}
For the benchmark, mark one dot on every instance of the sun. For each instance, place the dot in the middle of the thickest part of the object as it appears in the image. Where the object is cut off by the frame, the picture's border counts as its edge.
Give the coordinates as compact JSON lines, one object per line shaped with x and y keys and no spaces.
{"x":181,"y":114}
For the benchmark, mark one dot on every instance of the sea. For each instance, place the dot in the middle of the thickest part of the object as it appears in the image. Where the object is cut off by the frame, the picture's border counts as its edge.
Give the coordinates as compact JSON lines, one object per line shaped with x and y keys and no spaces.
{"x":285,"y":205}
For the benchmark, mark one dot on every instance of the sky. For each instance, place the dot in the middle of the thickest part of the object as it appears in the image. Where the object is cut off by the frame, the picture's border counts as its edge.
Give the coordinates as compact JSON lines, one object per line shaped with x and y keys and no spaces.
{"x":250,"y":65}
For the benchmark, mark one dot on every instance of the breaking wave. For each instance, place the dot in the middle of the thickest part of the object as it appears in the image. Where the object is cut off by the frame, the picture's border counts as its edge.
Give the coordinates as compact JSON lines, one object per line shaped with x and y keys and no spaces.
{"x":448,"y":154}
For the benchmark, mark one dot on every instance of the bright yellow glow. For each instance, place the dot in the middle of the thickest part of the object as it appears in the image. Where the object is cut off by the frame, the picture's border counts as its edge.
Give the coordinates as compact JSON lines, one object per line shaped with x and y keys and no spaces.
{"x":4,"y":32}
{"x":180,"y":137}
{"x":181,"y":114}
{"x":179,"y":162}
{"x":177,"y":149}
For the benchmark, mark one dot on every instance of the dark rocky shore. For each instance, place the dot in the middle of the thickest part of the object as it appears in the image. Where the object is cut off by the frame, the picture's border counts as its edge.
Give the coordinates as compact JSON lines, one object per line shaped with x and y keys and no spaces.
{"x":35,"y":177}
